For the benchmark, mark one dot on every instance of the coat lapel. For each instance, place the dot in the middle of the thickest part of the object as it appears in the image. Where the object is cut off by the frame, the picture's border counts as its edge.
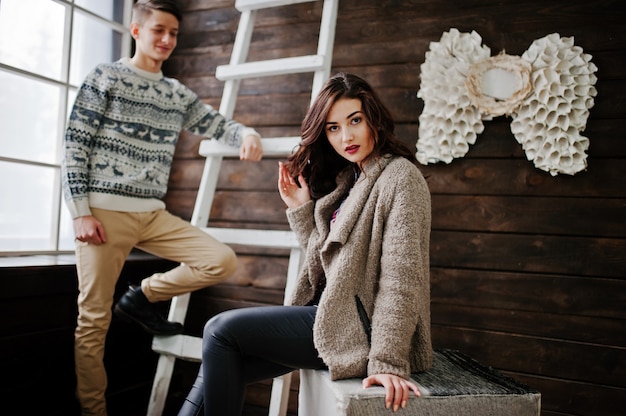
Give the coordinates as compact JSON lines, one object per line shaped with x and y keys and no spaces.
{"x":355,"y":202}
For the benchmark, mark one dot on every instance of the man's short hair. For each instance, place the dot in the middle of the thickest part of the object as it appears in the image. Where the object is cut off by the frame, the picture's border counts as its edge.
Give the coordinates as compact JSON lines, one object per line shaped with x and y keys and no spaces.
{"x":144,"y":8}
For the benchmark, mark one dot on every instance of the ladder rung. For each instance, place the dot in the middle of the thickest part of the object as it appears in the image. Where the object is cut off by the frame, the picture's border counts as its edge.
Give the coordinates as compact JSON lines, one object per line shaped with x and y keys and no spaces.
{"x":277,"y":146}
{"x":243,"y":5}
{"x":252,"y":237}
{"x":281,"y":66}
{"x":180,"y":346}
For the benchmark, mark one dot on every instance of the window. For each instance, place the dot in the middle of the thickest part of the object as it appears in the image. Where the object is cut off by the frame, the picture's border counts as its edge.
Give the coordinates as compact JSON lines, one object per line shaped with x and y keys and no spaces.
{"x":47,"y":47}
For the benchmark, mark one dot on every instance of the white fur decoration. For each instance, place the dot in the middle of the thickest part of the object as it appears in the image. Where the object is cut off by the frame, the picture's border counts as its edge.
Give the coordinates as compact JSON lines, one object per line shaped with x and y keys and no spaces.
{"x":549,"y":107}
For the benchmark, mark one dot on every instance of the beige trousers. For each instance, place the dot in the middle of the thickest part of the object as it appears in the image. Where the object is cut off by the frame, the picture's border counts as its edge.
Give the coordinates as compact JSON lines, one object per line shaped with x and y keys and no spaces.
{"x":204,"y":262}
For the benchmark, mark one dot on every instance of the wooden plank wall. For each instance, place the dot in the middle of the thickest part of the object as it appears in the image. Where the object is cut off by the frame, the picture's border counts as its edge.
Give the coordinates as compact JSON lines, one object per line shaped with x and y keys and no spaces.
{"x":38,"y":306}
{"x":528,"y":270}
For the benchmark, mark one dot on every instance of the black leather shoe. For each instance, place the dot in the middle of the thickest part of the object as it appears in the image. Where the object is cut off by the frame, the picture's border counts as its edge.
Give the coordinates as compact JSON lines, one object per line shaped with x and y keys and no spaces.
{"x":135,"y":307}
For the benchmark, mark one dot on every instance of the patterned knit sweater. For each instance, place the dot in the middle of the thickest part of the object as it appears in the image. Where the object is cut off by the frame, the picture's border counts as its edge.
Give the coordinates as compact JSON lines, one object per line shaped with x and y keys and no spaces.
{"x":121,"y":136}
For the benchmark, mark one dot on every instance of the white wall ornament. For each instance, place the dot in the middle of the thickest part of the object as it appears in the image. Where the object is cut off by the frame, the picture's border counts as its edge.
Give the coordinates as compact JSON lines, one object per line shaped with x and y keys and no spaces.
{"x":548,"y":92}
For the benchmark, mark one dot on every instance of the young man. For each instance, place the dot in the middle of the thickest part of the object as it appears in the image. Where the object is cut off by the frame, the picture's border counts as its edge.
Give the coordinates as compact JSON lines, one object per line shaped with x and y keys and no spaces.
{"x":119,"y":147}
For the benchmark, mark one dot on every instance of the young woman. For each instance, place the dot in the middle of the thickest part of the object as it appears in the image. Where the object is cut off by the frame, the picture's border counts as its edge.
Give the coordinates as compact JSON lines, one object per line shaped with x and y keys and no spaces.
{"x":360,"y":209}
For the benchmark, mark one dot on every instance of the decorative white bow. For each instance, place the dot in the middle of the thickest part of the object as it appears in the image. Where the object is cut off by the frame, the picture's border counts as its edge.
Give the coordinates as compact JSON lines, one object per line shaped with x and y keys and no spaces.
{"x":548,"y":92}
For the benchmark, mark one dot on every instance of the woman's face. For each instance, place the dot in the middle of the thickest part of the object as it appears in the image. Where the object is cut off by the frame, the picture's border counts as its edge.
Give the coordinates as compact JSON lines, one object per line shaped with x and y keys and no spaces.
{"x":348,"y":132}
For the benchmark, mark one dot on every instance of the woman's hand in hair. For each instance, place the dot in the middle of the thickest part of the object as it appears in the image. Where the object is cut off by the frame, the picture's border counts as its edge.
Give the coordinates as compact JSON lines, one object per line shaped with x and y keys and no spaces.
{"x":292,"y":194}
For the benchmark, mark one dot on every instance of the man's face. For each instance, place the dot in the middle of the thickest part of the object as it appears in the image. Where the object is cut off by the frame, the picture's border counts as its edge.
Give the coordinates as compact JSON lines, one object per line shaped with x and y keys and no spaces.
{"x":156,"y":37}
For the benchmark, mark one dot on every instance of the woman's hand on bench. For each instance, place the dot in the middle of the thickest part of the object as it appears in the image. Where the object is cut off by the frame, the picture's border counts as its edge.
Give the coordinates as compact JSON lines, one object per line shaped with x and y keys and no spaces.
{"x":396,"y":389}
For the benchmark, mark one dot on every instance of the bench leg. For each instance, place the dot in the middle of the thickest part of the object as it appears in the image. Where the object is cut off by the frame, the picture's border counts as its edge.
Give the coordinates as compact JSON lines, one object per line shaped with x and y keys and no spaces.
{"x":280,"y":395}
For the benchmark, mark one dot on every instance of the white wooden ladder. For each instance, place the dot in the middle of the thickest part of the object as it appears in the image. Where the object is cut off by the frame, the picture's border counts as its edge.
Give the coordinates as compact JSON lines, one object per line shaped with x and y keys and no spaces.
{"x":187,"y":347}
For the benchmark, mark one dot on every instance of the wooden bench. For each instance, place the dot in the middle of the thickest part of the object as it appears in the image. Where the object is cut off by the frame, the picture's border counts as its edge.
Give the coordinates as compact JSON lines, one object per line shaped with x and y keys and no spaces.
{"x":455,"y":385}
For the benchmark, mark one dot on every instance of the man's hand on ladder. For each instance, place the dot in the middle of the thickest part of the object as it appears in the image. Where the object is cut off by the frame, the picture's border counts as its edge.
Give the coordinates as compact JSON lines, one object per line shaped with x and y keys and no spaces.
{"x":251,"y":148}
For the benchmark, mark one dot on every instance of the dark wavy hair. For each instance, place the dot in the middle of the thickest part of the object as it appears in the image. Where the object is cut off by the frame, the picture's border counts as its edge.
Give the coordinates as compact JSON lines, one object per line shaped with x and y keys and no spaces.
{"x":144,"y":8}
{"x":315,"y":159}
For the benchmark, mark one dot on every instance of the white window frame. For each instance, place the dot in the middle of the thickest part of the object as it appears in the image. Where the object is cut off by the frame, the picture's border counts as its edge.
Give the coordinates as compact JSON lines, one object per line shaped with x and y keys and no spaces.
{"x":66,"y":88}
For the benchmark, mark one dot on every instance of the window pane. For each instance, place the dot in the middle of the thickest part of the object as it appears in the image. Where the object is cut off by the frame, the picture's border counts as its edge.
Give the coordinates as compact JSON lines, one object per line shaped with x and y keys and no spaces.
{"x":30,"y":118}
{"x":31,"y":35}
{"x":109,"y":9}
{"x":40,"y":40}
{"x":71,"y":97}
{"x":26,"y":211}
{"x":93,"y":43}
{"x":66,"y":232}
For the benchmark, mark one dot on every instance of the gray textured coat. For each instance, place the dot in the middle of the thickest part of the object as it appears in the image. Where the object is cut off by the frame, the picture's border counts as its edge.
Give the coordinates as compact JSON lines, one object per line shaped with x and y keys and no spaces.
{"x":378,"y":250}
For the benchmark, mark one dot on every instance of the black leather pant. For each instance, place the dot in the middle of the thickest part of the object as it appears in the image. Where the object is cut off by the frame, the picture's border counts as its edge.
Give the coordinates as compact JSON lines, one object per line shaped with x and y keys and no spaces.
{"x":247,"y":345}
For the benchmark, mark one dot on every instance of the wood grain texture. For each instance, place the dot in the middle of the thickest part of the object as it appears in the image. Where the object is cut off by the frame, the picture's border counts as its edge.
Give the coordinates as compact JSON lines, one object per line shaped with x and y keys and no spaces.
{"x":528,"y":270}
